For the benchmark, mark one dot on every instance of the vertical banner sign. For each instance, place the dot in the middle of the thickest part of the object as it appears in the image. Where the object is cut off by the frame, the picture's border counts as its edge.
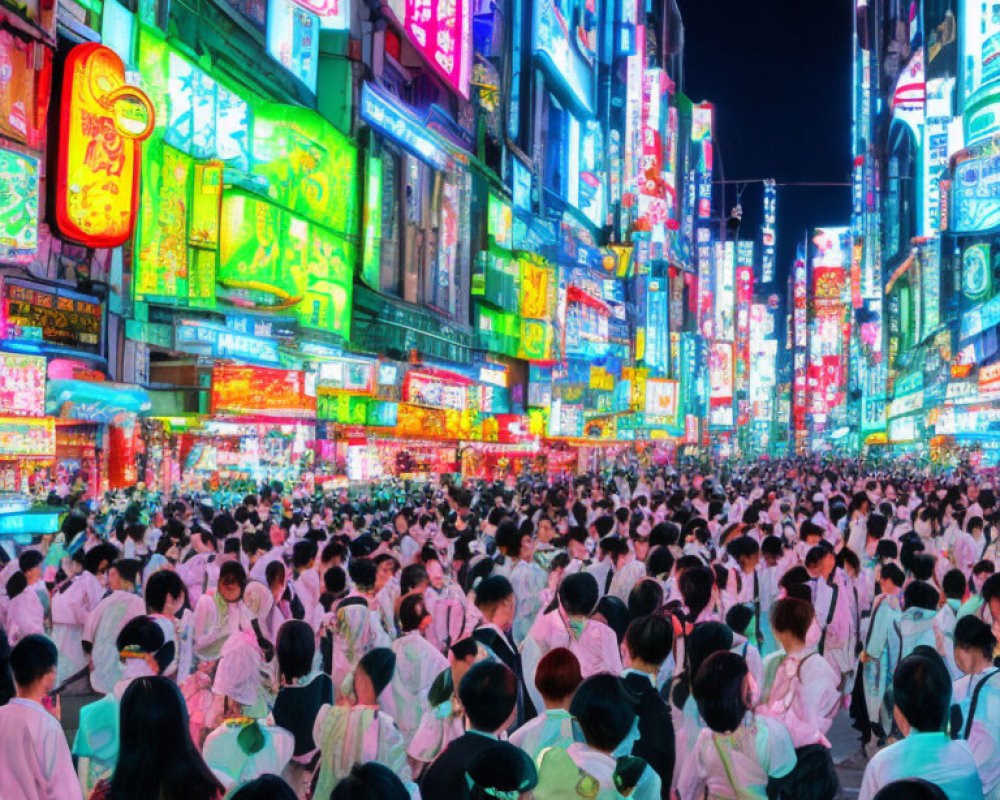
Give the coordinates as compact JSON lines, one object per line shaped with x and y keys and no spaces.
{"x":442,"y":32}
{"x":800,"y":303}
{"x":706,"y":309}
{"x":720,"y":372}
{"x":725,"y":290}
{"x":768,"y":232}
{"x":655,"y":201}
{"x":19,"y":175}
{"x":744,"y":297}
{"x":701,"y":137}
{"x":102,"y":122}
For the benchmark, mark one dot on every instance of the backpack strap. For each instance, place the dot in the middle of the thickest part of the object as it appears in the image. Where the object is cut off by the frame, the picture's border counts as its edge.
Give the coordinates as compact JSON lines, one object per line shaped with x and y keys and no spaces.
{"x":975,"y":702}
{"x":829,"y":616}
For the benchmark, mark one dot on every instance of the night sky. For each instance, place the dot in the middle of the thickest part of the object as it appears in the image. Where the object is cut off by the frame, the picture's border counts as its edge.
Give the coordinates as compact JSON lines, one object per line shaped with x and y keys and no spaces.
{"x":779,"y":74}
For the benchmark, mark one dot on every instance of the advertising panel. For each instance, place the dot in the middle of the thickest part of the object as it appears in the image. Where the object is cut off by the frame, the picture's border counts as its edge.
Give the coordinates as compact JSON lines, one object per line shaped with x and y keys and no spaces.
{"x":441,"y":31}
{"x":19,"y":177}
{"x":436,"y":390}
{"x":721,"y":375}
{"x":103,"y":120}
{"x":768,"y":232}
{"x":565,"y":41}
{"x":347,"y":375}
{"x":976,"y":189}
{"x":27,"y":438}
{"x":385,"y":117}
{"x":261,"y":391}
{"x":293,"y":39}
{"x":56,"y":317}
{"x":22,"y":385}
{"x":662,"y":400}
{"x":220,"y":341}
{"x":701,"y":137}
{"x":725,"y":291}
{"x":25,"y":78}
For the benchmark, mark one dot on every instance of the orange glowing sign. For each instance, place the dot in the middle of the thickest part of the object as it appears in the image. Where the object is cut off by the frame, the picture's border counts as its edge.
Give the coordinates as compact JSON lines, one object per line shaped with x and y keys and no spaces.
{"x":103,"y":121}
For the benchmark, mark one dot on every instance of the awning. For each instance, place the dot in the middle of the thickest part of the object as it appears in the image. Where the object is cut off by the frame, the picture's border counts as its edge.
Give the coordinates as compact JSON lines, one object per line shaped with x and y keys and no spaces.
{"x":91,"y":401}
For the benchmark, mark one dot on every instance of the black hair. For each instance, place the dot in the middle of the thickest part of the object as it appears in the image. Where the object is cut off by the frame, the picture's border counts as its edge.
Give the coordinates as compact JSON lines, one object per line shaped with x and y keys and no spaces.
{"x":29,"y":559}
{"x":696,"y":585}
{"x":303,"y":552}
{"x":493,"y":590}
{"x":719,"y":692}
{"x":363,"y":572}
{"x":156,"y":756}
{"x":295,"y":645}
{"x":991,"y":588}
{"x":379,"y":664}
{"x":738,"y":618}
{"x":16,"y":584}
{"x":411,"y":577}
{"x":335,"y":580}
{"x":501,"y":767}
{"x":922,"y":691}
{"x":953,"y":584}
{"x":922,"y":566}
{"x":971,"y":633}
{"x":32,"y":659}
{"x":231,"y":547}
{"x":659,"y":562}
{"x":615,"y":614}
{"x":772,"y":546}
{"x":645,"y":598}
{"x":893,"y":573}
{"x":370,"y":781}
{"x":920,"y":594}
{"x":579,"y":593}
{"x":162,"y":583}
{"x":508,"y":538}
{"x":910,"y":789}
{"x":605,"y":710}
{"x":103,"y":552}
{"x":266,"y":787}
{"x":743,"y":547}
{"x":233,"y":572}
{"x":332,"y":550}
{"x":886,"y":549}
{"x":464,"y":648}
{"x":650,"y":638}
{"x":488,"y":692}
{"x":273,"y":571}
{"x":412,"y":612}
{"x":143,"y":632}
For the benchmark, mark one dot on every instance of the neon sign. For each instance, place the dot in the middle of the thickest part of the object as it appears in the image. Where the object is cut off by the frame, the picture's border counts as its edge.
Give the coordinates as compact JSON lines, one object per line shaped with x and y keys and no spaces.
{"x":441,"y":30}
{"x":564,"y":39}
{"x":103,"y":121}
{"x":293,"y":39}
{"x":19,"y":176}
{"x":391,"y":121}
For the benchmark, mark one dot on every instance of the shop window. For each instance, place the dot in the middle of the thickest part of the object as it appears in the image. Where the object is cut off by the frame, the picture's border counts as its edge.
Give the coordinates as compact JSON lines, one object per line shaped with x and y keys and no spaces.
{"x":555,"y":159}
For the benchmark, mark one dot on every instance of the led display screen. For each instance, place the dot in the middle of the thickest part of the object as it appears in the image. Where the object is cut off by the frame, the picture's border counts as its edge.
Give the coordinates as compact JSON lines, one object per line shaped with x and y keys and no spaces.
{"x":18,"y":207}
{"x":441,"y":31}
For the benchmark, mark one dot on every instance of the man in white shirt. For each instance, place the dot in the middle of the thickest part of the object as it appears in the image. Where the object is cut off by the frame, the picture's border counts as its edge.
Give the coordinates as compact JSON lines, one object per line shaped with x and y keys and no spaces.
{"x":922,"y":696}
{"x":36,"y":763}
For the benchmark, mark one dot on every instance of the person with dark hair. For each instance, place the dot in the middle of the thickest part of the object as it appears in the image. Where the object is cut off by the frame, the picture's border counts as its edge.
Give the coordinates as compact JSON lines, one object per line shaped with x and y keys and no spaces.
{"x":220,"y":615}
{"x":349,"y":630}
{"x":916,"y":625}
{"x":878,"y":659}
{"x":144,"y":652}
{"x":369,"y":781}
{"x":497,"y":603}
{"x":737,"y":754}
{"x":557,"y":678}
{"x":198,"y":568}
{"x":35,"y":763}
{"x":571,"y":624}
{"x":7,"y":690}
{"x":501,"y":770}
{"x":106,"y":621}
{"x":910,"y":789}
{"x":447,"y":606}
{"x":25,"y":610}
{"x":648,"y":643}
{"x":157,"y":757}
{"x":953,"y":587}
{"x":306,"y":583}
{"x":358,"y":730}
{"x":645,"y":598}
{"x":266,"y":787}
{"x":605,"y":711}
{"x":975,"y":715}
{"x":302,"y":692}
{"x":418,"y":664}
{"x":72,"y":603}
{"x":446,"y":720}
{"x":488,"y":692}
{"x":922,"y":698}
{"x":166,"y":603}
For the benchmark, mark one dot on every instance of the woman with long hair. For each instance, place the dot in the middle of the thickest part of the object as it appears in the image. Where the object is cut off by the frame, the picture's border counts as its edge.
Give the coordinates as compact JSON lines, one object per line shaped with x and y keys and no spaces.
{"x":157,"y":758}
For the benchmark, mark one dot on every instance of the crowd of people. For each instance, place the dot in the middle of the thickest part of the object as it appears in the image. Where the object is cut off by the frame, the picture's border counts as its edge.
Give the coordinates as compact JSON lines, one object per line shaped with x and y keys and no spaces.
{"x":682,"y":633}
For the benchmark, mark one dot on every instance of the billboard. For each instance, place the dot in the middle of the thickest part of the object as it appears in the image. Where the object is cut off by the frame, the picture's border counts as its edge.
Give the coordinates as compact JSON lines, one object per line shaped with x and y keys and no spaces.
{"x":441,"y":31}
{"x":721,"y":377}
{"x":565,"y":42}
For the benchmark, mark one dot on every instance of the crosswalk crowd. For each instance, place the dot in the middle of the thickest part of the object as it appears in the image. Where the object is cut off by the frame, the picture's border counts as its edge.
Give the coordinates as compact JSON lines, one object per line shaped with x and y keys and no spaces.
{"x":677,"y":633}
